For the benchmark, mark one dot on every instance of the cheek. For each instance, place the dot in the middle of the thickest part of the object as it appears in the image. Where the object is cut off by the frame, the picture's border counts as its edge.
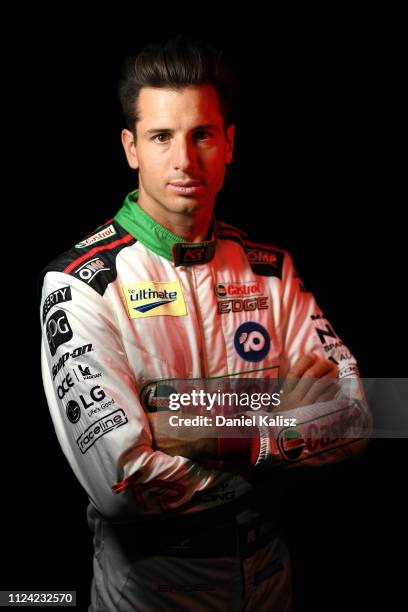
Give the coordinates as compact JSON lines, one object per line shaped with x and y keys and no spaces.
{"x":216,"y":164}
{"x":150,"y":163}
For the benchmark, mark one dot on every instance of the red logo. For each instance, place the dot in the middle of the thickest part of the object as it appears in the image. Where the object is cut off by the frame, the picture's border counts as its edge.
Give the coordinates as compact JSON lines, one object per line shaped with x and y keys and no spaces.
{"x":162,"y":491}
{"x":194,"y":254}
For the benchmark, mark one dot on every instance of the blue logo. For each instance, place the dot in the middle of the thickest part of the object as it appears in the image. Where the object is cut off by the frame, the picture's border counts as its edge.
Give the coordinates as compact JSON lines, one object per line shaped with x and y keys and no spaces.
{"x":147,"y":307}
{"x":252,"y":341}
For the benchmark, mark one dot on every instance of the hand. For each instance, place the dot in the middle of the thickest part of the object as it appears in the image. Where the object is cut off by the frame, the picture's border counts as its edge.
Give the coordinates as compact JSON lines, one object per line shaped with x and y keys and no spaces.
{"x":185,"y":441}
{"x":310,"y":380}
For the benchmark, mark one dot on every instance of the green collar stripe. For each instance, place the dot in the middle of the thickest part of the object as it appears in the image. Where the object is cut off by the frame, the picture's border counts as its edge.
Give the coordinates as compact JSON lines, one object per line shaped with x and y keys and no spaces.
{"x":160,"y":240}
{"x":142,"y":227}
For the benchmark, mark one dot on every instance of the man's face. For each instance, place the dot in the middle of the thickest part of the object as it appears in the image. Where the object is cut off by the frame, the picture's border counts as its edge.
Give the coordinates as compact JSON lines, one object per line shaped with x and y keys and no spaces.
{"x":180,"y":140}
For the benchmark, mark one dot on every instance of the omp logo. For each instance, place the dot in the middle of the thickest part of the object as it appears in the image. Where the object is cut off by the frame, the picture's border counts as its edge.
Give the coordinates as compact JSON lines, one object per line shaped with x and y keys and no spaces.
{"x":106,"y":233}
{"x":233,"y":289}
{"x":98,"y":429}
{"x":90,"y":269}
{"x":258,"y":256}
{"x":151,"y":299}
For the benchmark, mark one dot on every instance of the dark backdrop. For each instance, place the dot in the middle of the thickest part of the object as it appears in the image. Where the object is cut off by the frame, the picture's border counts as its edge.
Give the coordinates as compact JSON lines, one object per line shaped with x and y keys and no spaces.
{"x":315,"y":172}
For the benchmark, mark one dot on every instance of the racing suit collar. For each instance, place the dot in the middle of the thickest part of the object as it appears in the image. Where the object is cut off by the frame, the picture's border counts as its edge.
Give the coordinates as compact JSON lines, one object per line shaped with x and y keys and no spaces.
{"x":160,"y":240}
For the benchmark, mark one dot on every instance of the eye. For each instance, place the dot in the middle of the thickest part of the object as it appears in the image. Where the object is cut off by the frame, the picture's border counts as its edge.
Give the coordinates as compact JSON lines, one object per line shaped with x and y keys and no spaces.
{"x":202,"y":135}
{"x":161,"y":138}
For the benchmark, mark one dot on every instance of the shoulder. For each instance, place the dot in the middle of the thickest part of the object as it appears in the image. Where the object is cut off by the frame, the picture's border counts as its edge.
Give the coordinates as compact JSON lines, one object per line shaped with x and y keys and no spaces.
{"x":93,"y":259}
{"x":264,"y":259}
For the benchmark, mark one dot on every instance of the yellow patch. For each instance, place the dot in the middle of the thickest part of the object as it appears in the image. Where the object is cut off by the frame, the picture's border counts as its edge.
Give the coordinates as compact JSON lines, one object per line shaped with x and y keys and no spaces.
{"x":153,"y":299}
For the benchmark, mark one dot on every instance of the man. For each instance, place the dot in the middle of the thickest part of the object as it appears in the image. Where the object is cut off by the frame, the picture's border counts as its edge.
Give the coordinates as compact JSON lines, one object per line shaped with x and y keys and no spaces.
{"x":165,"y":293}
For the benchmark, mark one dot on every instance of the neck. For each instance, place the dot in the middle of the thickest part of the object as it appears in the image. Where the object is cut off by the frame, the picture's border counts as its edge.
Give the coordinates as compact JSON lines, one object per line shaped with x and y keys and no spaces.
{"x":191,"y":225}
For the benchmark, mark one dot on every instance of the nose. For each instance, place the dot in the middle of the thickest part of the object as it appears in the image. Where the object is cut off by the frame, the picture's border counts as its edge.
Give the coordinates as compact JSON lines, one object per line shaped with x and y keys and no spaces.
{"x":183,"y":155}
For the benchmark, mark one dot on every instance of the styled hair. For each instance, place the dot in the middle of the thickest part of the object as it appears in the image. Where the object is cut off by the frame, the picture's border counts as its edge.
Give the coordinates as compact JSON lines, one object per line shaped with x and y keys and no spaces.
{"x":176,"y":63}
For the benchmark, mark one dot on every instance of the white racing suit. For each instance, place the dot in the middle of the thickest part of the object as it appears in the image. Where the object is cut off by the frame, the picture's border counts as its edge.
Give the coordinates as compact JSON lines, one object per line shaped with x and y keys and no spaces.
{"x":133,"y":306}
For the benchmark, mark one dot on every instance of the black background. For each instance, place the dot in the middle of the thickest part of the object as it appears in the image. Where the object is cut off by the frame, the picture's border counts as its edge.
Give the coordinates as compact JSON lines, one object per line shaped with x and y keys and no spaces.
{"x":316,"y":172}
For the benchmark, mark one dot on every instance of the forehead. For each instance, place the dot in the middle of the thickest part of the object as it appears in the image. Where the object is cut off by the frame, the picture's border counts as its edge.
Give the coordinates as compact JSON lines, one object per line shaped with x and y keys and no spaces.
{"x":171,"y":108}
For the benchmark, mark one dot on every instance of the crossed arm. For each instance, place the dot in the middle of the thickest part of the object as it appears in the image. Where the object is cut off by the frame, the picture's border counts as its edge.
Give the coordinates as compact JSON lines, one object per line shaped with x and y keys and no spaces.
{"x":311,"y":379}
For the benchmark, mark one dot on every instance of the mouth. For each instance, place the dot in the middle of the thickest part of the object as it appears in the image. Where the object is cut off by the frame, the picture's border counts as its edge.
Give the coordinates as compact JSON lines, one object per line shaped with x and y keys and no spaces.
{"x":186,"y":187}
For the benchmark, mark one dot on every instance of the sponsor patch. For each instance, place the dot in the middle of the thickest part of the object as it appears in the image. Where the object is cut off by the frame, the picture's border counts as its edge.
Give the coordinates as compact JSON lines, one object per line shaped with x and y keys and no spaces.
{"x":154,"y":298}
{"x":73,"y":411}
{"x":105,"y":233}
{"x":189,"y":254}
{"x":265,"y":262}
{"x":58,"y":330}
{"x":98,"y":429}
{"x":238,"y":289}
{"x":90,"y":269}
{"x":54,"y":298}
{"x":252,"y":341}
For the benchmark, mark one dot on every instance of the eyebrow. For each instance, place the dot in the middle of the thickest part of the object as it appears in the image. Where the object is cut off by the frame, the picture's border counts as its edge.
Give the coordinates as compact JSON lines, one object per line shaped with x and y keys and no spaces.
{"x":205,"y":126}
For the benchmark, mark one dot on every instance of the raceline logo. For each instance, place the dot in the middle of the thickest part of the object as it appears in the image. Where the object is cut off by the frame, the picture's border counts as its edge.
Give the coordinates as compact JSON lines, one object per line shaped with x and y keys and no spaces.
{"x":151,"y":299}
{"x":90,"y":269}
{"x":238,"y":289}
{"x":98,"y":429}
{"x":106,"y":233}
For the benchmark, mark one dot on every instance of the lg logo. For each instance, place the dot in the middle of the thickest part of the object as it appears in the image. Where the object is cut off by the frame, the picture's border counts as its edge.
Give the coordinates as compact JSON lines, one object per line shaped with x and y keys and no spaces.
{"x":58,"y":330}
{"x":73,"y":408}
{"x":73,"y":411}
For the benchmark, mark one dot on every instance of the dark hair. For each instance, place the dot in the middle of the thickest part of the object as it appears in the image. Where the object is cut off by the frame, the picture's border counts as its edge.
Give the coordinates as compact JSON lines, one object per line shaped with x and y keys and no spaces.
{"x":176,"y":63}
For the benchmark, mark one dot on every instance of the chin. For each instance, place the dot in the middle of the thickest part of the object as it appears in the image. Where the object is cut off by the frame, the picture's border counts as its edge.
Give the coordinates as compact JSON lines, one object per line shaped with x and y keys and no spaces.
{"x":185,"y":204}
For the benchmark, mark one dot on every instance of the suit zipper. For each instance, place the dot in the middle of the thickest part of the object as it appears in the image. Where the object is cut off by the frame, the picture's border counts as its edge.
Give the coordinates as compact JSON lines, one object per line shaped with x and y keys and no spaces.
{"x":203,"y":352}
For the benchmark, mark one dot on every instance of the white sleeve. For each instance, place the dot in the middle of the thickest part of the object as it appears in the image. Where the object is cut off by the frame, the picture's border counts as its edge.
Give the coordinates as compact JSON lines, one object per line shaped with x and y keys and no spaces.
{"x":99,"y":421}
{"x":324,"y":432}
{"x":305,"y":328}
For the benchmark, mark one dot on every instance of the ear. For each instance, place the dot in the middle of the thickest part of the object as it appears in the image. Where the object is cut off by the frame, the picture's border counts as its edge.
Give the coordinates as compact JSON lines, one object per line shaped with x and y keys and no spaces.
{"x":129,"y":146}
{"x":229,"y":147}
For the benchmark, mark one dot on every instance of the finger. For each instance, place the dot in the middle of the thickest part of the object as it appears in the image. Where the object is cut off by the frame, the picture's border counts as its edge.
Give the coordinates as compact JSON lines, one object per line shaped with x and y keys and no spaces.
{"x":320,"y":368}
{"x":323,"y":386}
{"x":297,"y":370}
